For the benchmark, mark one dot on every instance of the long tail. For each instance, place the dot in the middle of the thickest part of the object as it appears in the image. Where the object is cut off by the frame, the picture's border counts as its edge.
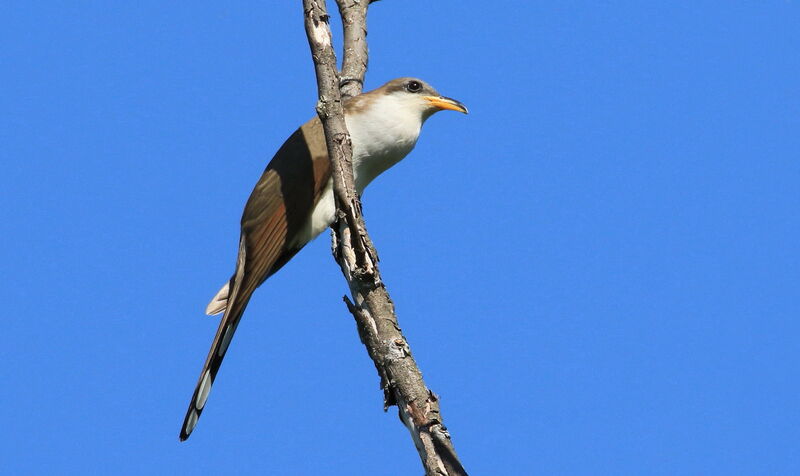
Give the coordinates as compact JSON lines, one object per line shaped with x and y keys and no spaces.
{"x":236,"y":304}
{"x":227,"y":327}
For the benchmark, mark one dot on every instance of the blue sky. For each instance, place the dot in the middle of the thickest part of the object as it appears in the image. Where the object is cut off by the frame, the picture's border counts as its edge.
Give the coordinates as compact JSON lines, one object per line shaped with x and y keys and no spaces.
{"x":597,"y":269}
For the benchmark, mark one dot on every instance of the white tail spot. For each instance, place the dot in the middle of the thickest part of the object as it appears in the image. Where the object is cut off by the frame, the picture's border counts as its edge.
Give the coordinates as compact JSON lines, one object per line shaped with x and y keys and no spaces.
{"x":191,"y":422}
{"x":226,"y":338}
{"x":205,"y":387}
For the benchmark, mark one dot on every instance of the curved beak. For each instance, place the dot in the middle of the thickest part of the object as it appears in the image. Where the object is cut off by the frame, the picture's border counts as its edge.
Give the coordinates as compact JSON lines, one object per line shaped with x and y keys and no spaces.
{"x":446,"y":103}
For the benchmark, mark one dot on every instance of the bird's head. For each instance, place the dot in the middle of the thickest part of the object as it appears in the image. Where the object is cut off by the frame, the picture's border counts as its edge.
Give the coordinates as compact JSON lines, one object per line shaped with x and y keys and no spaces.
{"x":415,"y":94}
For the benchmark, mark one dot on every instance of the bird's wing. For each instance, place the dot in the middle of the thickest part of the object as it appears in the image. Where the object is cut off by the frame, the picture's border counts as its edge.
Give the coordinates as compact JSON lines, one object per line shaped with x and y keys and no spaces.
{"x":278,"y":208}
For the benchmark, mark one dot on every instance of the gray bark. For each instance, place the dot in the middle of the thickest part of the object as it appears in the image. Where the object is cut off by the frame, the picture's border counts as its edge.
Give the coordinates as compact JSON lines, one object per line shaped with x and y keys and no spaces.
{"x":355,"y":58}
{"x":371,"y":306}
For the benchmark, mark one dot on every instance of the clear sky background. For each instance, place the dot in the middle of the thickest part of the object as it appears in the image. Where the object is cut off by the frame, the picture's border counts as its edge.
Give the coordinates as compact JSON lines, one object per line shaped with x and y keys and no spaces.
{"x":597,"y":269}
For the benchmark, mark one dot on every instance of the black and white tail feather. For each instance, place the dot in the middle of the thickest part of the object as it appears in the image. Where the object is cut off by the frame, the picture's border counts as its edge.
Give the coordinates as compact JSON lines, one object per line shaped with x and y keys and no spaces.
{"x":234,"y":308}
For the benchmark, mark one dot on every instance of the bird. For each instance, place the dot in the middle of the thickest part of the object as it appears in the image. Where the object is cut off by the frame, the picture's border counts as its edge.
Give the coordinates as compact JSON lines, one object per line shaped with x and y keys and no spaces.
{"x":292,"y":202}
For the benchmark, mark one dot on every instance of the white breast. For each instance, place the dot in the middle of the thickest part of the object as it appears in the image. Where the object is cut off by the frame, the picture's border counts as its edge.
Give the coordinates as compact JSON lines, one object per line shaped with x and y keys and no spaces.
{"x":382,"y":136}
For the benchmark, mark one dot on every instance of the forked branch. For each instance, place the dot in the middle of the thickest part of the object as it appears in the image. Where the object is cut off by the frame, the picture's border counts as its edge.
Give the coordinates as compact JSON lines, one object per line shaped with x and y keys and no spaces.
{"x":371,"y":306}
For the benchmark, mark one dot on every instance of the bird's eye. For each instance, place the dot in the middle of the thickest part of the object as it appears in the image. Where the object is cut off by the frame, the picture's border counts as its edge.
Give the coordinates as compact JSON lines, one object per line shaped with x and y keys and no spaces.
{"x":414,"y":86}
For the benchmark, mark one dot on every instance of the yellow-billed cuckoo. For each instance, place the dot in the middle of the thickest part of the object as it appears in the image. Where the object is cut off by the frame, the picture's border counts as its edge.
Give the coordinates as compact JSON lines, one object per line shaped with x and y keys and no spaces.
{"x":293,"y":202}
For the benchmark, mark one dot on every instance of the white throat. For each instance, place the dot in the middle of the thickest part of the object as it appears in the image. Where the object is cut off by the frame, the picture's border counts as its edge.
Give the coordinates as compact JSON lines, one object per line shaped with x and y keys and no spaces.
{"x":382,"y":135}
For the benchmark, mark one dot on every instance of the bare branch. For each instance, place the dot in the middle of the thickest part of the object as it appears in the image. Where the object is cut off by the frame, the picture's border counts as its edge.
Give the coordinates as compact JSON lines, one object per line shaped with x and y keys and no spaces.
{"x":373,"y":310}
{"x":354,"y":63}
